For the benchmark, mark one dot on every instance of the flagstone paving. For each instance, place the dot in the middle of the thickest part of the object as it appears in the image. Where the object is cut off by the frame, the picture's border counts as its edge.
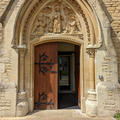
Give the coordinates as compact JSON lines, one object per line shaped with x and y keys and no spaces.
{"x":57,"y":115}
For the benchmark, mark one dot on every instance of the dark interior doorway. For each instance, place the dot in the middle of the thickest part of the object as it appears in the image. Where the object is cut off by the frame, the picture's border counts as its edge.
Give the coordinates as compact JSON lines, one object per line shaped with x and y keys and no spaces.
{"x":68,"y":75}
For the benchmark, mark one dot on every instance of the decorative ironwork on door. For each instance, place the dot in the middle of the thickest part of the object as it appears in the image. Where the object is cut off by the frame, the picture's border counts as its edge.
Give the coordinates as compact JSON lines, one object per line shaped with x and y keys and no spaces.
{"x":44,"y":66}
{"x":43,"y":97}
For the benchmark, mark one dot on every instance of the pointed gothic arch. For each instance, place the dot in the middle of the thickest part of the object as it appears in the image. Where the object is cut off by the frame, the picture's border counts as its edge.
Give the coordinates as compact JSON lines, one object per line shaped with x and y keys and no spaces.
{"x":75,"y":21}
{"x":30,"y":9}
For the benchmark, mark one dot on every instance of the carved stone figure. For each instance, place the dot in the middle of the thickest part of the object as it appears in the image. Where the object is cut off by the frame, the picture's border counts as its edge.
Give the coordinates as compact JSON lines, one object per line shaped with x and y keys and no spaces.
{"x":57,"y":24}
{"x":39,"y":25}
{"x":56,"y":18}
{"x":67,"y":10}
{"x":73,"y":26}
{"x":48,"y":25}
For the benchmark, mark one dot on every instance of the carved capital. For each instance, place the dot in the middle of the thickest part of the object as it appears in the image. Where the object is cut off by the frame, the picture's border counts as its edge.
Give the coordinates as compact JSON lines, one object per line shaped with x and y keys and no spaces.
{"x":22,"y":50}
{"x":91,"y":52}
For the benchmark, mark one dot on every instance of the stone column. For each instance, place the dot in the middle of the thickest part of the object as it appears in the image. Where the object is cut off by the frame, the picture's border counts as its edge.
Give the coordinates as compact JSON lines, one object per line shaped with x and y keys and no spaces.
{"x":91,"y":103}
{"x":1,"y":39}
{"x":1,"y":32}
{"x":22,"y":103}
{"x":21,"y":82}
{"x":91,"y":53}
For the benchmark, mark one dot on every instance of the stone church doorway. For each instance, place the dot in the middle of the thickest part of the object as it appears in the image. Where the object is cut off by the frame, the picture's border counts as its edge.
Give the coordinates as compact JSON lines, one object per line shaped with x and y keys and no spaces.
{"x":56,"y":84}
{"x":82,"y":23}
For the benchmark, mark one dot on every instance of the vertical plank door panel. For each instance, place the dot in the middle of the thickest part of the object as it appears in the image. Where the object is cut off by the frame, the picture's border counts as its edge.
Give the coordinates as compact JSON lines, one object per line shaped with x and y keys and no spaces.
{"x":46,"y":76}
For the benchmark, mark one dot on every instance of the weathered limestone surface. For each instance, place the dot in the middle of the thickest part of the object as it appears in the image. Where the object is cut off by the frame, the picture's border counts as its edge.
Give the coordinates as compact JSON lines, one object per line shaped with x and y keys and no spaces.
{"x":22,"y":105}
{"x":113,"y":7}
{"x":7,"y":99}
{"x":3,"y":6}
{"x":108,"y":98}
{"x":91,"y":104}
{"x":107,"y":73}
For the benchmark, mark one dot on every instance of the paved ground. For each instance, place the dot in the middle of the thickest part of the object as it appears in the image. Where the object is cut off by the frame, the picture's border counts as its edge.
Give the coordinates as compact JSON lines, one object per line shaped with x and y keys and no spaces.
{"x":56,"y":115}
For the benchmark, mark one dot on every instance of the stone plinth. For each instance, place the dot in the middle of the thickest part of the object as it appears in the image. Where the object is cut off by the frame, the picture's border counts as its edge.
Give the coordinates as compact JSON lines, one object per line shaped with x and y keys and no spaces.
{"x":22,"y":105}
{"x":91,"y":104}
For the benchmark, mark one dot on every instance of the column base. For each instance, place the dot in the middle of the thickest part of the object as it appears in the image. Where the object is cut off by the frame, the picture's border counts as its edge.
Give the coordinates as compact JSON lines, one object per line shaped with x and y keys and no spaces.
{"x":83,"y":109}
{"x":22,"y":105}
{"x":91,"y":104}
{"x":31,"y":104}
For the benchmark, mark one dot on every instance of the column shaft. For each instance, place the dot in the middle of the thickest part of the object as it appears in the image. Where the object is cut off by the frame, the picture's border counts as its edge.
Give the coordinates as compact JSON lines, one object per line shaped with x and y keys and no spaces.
{"x":92,"y":73}
{"x":91,"y":53}
{"x":21,"y":70}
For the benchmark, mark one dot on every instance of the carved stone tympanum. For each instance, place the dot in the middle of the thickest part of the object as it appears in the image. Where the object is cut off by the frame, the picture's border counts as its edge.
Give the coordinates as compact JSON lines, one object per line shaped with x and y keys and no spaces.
{"x":57,"y":18}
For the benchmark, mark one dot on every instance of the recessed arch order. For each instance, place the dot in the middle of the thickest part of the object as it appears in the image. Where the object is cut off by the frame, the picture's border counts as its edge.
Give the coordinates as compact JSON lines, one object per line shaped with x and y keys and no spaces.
{"x":81,"y":10}
{"x":73,"y":21}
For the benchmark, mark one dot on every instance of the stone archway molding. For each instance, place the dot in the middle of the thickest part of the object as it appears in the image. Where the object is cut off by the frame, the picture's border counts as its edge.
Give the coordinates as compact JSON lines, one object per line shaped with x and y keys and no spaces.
{"x":96,"y":32}
{"x":85,"y":14}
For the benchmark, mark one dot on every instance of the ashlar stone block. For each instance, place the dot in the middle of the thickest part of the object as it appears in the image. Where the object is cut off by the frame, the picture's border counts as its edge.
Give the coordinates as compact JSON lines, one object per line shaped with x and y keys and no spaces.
{"x":7,"y":99}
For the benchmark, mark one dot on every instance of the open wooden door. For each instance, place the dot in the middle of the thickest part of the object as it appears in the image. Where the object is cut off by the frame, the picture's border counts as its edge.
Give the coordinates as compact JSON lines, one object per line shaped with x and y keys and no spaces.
{"x":46,"y":76}
{"x":77,"y":74}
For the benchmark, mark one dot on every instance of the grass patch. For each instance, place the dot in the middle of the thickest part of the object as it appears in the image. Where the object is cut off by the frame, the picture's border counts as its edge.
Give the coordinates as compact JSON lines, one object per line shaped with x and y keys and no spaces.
{"x":117,"y":115}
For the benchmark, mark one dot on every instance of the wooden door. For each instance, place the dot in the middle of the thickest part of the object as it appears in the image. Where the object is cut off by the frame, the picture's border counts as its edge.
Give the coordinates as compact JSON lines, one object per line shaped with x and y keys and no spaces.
{"x":46,"y":76}
{"x":77,"y":73}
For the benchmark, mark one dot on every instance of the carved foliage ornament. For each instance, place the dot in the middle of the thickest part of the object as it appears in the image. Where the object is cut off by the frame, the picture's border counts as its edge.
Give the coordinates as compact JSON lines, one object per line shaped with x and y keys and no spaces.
{"x":91,"y":52}
{"x":58,"y":18}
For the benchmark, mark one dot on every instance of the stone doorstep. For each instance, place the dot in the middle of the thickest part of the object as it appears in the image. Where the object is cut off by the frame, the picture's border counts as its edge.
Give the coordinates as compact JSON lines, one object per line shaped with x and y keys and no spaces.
{"x":57,"y":115}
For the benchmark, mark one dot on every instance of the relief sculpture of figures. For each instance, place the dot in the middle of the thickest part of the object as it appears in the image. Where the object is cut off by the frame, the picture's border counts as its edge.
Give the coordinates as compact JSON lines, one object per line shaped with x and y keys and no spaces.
{"x":57,"y":20}
{"x":39,"y":25}
{"x":72,"y":26}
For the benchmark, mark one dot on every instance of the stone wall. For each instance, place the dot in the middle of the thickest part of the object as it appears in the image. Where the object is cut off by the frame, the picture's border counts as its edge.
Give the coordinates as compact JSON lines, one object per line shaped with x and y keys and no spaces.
{"x":113,"y":7}
{"x":108,"y":91}
{"x":7,"y":80}
{"x":9,"y":66}
{"x":7,"y":103}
